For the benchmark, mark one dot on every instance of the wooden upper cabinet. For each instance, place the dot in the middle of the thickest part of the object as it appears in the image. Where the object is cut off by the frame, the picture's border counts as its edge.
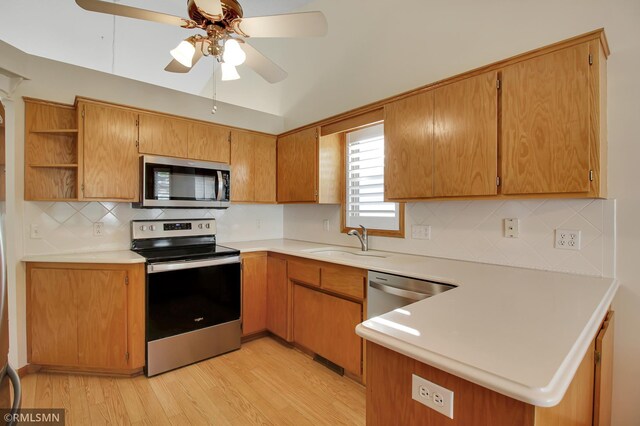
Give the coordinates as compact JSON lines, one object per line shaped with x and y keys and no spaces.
{"x":545,"y":123}
{"x":466,"y":137}
{"x":208,"y":142}
{"x":298,"y":167}
{"x":408,"y":147}
{"x":163,"y":135}
{"x":253,"y":167}
{"x":109,"y":135}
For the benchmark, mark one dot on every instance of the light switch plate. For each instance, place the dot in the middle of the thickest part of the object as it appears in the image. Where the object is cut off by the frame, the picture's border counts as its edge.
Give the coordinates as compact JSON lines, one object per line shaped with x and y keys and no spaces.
{"x":512,"y":228}
{"x":433,"y":396}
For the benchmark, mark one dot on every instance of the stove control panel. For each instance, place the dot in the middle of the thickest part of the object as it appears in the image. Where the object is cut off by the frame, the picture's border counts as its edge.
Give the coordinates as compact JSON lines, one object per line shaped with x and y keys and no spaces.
{"x":143,"y":229}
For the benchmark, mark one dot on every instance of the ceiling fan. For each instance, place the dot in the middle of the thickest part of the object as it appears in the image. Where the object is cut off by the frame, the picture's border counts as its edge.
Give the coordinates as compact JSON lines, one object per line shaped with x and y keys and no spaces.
{"x":226,"y":30}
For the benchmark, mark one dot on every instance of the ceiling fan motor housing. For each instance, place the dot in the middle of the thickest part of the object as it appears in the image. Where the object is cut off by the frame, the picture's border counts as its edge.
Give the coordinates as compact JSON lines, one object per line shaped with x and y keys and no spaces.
{"x":231,"y":8}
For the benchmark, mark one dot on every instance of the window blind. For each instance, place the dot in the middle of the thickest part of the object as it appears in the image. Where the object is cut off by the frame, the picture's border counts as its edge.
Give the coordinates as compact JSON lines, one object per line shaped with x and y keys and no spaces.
{"x":365,"y":181}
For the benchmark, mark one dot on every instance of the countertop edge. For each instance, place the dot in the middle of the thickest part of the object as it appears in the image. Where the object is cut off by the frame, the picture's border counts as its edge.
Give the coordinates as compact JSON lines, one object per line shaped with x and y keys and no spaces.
{"x":87,"y":257}
{"x":542,"y":397}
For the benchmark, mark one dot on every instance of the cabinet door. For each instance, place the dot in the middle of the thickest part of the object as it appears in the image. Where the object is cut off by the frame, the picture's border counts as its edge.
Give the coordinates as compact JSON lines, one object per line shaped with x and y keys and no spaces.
{"x":101,"y":298}
{"x":264,"y":176}
{"x":466,"y":137}
{"x":408,"y":148}
{"x":254,"y":293}
{"x":160,"y":135}
{"x":208,"y":142}
{"x":242,"y":167}
{"x":545,"y":123}
{"x":278,"y":307}
{"x":53,"y":321}
{"x":343,"y":346}
{"x":309,"y":328}
{"x":604,"y":373}
{"x":298,"y":167}
{"x":109,"y":136}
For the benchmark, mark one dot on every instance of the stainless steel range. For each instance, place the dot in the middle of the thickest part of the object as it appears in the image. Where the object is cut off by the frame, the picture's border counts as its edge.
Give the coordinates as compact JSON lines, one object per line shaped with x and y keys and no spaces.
{"x":193,"y":292}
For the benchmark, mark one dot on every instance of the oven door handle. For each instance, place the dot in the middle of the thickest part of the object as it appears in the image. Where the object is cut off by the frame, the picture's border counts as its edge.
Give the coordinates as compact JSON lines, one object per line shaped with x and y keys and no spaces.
{"x":176,"y":266}
{"x":407,"y":294}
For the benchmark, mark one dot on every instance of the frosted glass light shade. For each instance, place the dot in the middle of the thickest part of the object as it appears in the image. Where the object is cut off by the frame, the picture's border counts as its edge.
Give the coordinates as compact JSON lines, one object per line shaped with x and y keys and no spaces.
{"x":233,"y":53}
{"x":229,"y":72}
{"x":184,"y":52}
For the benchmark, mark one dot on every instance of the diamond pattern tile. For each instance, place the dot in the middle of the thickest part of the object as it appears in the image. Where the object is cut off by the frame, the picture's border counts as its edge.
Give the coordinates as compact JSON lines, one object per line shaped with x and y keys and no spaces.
{"x":473,"y":230}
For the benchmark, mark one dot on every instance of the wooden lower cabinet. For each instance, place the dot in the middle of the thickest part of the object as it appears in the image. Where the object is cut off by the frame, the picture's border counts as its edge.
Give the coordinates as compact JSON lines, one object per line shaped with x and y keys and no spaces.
{"x":389,"y":400}
{"x":278,"y":300}
{"x":254,"y":293}
{"x":86,"y":316}
{"x":326,"y":325}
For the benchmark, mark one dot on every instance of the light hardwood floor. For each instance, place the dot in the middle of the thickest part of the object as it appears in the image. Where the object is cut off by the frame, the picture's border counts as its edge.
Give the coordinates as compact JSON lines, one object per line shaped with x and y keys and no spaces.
{"x":265,"y":383}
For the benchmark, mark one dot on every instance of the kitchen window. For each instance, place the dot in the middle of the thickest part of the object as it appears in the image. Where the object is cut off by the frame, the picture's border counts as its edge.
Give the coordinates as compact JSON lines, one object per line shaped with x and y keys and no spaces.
{"x":364,"y":201}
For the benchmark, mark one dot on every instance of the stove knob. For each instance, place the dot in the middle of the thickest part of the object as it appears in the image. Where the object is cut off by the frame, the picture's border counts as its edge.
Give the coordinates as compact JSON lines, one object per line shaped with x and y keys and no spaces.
{"x":152,"y":227}
{"x":208,"y":226}
{"x":200,"y":226}
{"x":143,"y":228}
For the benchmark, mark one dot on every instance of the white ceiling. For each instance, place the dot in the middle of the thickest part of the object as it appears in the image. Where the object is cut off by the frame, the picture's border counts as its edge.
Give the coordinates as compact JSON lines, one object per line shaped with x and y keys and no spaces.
{"x":61,"y":30}
{"x":374,"y":48}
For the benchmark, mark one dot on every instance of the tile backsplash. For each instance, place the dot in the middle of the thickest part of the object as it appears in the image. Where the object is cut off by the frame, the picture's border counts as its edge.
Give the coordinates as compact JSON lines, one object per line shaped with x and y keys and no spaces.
{"x":68,"y":227}
{"x":473,"y":230}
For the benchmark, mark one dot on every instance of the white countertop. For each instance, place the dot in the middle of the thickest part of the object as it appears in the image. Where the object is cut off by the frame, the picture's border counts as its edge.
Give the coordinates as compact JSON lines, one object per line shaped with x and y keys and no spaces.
{"x":519,"y":332}
{"x":117,"y":256}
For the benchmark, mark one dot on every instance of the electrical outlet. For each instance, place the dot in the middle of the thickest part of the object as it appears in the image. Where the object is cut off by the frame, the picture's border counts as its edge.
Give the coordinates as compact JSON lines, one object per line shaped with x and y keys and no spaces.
{"x":98,"y":229}
{"x":512,"y":228}
{"x":35,"y":232}
{"x":568,"y":239}
{"x":433,"y":396}
{"x":325,"y":224}
{"x":421,"y":232}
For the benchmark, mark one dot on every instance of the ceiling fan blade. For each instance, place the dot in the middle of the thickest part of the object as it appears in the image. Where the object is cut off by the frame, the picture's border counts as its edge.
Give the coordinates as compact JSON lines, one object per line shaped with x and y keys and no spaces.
{"x":177,"y":67}
{"x":263,"y":65}
{"x":306,"y":24}
{"x":211,"y":9}
{"x":133,"y":12}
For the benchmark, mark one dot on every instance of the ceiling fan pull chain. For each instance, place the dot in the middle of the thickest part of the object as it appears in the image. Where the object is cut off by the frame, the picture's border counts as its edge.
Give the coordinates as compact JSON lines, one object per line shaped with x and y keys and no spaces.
{"x":214,"y":107}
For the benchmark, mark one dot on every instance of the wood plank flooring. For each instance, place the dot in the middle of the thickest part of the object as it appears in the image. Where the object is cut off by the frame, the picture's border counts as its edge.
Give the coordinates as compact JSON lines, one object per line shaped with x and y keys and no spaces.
{"x":263,"y":383}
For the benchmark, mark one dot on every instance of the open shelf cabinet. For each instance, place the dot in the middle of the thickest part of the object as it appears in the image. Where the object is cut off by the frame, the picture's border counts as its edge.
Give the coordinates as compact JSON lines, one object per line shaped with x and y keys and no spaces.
{"x":51,"y":151}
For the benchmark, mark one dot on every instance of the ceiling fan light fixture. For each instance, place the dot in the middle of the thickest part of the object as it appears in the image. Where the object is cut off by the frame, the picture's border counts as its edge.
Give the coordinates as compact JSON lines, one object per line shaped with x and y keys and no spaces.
{"x":184,"y":52}
{"x":233,"y":53}
{"x":229,"y":72}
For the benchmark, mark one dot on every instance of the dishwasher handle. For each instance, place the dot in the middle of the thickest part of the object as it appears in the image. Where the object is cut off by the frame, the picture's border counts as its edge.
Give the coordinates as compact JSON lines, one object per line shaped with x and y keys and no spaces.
{"x":407,"y":294}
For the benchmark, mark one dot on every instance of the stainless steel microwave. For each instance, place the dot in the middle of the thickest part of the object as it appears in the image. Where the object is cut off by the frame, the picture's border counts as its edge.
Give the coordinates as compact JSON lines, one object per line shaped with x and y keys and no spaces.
{"x":178,"y":183}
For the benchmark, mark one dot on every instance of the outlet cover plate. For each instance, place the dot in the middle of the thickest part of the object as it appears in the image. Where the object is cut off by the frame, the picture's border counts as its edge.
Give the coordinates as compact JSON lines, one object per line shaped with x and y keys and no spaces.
{"x":421,"y":232}
{"x":568,"y":239}
{"x":433,"y":396}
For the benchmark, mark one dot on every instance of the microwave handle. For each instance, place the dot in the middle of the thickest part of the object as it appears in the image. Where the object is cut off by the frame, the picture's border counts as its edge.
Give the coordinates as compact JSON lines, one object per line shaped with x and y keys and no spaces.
{"x":220,"y":186}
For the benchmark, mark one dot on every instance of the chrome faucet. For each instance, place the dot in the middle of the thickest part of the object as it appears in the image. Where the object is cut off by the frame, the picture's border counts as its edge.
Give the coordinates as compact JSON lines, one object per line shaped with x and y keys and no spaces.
{"x":364,"y":237}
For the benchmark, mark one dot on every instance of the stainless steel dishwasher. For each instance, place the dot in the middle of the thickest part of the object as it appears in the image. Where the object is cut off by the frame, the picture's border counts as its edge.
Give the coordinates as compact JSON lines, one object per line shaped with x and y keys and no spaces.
{"x":388,"y":292}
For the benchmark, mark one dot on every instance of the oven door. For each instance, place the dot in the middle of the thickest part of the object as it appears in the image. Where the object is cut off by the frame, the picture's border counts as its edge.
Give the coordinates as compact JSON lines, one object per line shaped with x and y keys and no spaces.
{"x":183,"y":297}
{"x":178,"y":183}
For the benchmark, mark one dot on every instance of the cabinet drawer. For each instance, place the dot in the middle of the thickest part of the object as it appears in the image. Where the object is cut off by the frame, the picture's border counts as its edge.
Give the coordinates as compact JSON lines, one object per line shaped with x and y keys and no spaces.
{"x":304,"y":273}
{"x":347,"y":281}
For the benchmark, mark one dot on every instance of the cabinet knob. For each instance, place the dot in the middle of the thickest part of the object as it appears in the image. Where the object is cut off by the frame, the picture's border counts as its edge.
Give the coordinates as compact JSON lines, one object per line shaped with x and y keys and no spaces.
{"x":143,"y":227}
{"x":152,"y":227}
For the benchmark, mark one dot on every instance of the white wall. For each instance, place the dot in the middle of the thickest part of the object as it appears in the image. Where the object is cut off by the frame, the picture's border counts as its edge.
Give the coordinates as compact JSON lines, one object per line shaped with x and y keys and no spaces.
{"x":473,"y":230}
{"x":60,"y":82}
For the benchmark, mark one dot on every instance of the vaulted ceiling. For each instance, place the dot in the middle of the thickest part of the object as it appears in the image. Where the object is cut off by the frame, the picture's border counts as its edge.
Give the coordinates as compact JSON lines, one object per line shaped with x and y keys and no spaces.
{"x":374,"y":48}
